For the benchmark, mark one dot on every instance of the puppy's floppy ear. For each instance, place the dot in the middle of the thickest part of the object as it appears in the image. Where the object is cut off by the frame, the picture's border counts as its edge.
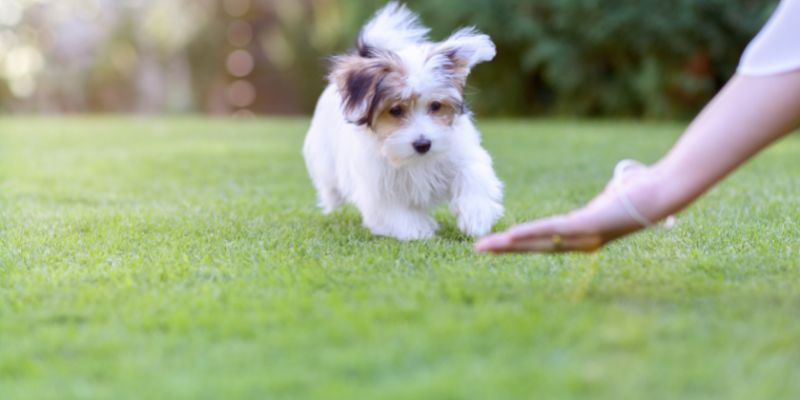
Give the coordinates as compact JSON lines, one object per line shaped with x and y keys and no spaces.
{"x":359,"y":80}
{"x":462,"y":50}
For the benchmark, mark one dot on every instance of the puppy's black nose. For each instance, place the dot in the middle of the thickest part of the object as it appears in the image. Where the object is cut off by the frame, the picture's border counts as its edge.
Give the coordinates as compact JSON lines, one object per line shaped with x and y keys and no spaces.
{"x":422,"y":145}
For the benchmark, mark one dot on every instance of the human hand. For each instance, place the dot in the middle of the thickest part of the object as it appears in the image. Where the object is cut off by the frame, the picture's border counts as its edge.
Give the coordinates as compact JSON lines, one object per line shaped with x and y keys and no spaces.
{"x":562,"y":233}
{"x":587,"y":229}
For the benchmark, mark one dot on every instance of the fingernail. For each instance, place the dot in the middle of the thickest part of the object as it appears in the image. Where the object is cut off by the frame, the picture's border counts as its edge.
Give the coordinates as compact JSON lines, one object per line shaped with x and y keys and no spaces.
{"x":483,"y":244}
{"x":490,"y":243}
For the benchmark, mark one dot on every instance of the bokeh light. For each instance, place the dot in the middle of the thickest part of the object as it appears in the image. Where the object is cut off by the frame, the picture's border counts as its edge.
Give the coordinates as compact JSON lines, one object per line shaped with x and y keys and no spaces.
{"x":237,"y":8}
{"x":240,"y":33}
{"x":10,"y":12}
{"x":241,"y":93}
{"x":240,"y":63}
{"x":278,"y":49}
{"x":20,"y":67}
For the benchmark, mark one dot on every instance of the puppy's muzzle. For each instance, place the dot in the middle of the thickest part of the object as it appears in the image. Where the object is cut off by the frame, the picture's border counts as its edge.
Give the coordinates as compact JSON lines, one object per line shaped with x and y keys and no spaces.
{"x":422,"y":145}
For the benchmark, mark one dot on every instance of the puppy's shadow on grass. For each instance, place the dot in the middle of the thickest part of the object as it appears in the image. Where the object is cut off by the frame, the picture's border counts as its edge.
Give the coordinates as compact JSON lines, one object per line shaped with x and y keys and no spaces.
{"x":448,"y":229}
{"x":346,"y":223}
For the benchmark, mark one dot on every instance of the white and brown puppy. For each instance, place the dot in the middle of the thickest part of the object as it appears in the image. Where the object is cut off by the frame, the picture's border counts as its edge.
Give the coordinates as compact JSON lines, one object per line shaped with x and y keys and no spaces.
{"x":391,"y":133}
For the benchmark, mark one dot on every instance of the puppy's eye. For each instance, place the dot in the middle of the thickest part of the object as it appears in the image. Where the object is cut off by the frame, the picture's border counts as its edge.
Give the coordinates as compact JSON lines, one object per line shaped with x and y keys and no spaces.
{"x":397,"y":111}
{"x":436,"y":106}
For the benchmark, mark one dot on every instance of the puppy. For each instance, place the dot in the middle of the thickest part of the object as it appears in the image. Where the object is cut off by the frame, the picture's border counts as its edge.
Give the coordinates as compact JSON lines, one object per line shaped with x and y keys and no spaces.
{"x":391,"y":133}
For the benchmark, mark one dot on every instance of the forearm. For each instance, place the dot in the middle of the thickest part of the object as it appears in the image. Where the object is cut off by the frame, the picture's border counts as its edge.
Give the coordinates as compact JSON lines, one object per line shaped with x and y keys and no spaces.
{"x":746,"y":116}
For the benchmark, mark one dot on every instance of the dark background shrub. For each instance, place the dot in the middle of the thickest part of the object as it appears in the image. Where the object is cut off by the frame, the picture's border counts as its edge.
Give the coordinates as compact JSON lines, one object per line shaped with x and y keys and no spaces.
{"x":640,"y":58}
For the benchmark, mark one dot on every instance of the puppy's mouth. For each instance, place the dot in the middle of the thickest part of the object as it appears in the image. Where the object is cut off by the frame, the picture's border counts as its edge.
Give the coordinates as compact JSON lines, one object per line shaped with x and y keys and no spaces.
{"x":395,"y":160}
{"x":405,"y":160}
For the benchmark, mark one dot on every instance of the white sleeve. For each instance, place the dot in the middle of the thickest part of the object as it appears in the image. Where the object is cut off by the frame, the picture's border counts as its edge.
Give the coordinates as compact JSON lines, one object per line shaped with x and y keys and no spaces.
{"x":776,"y":48}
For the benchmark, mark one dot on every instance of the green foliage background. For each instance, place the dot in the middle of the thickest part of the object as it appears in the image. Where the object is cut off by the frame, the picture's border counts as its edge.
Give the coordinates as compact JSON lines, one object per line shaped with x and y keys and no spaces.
{"x":589,"y":57}
{"x":641,"y":58}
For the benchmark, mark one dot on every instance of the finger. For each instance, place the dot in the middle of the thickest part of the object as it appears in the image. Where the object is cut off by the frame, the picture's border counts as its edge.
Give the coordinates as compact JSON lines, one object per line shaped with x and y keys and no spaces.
{"x":505,"y":243}
{"x":555,"y":244}
{"x":540,"y":228}
{"x":491,"y":242}
{"x":504,"y":239}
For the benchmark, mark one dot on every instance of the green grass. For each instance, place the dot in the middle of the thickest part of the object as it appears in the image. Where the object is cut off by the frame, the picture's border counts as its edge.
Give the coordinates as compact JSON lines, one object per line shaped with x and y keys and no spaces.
{"x":183,"y":258}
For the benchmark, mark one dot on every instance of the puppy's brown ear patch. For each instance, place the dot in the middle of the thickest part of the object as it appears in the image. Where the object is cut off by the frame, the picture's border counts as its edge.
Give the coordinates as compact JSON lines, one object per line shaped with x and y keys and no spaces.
{"x":460,"y":52}
{"x":359,"y":82}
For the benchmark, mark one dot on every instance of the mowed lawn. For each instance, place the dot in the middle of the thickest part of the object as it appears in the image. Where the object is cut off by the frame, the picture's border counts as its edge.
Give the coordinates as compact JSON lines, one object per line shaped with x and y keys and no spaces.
{"x":183,"y":258}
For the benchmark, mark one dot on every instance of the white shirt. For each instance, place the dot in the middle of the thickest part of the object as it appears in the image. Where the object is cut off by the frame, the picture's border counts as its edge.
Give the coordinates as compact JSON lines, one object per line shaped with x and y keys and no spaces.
{"x":776,"y":48}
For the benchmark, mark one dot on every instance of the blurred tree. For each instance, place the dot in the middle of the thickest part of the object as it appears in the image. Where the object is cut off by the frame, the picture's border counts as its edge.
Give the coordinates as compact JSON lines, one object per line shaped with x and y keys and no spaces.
{"x":589,"y":57}
{"x":576,"y":57}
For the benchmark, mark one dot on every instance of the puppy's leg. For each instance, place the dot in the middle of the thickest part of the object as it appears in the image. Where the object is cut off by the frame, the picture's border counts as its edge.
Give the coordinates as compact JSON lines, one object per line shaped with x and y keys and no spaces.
{"x":328,"y":196}
{"x":328,"y":199}
{"x":478,"y":195}
{"x":399,"y":222}
{"x":322,"y":170}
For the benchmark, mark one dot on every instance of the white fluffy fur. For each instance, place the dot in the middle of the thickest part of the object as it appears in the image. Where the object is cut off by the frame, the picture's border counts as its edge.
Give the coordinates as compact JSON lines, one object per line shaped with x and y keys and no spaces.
{"x":393,"y":28}
{"x":392,"y":185}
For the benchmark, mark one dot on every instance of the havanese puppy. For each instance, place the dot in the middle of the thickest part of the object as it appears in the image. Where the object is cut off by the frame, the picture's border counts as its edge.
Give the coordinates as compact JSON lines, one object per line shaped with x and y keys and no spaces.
{"x":391,"y":133}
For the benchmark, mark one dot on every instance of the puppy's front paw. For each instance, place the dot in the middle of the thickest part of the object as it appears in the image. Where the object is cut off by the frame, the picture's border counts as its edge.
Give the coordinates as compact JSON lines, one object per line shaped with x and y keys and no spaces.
{"x":476,"y":216}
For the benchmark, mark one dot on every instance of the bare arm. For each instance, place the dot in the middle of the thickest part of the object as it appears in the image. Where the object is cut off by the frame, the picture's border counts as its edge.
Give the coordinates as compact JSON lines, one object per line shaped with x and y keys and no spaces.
{"x":746,"y":116}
